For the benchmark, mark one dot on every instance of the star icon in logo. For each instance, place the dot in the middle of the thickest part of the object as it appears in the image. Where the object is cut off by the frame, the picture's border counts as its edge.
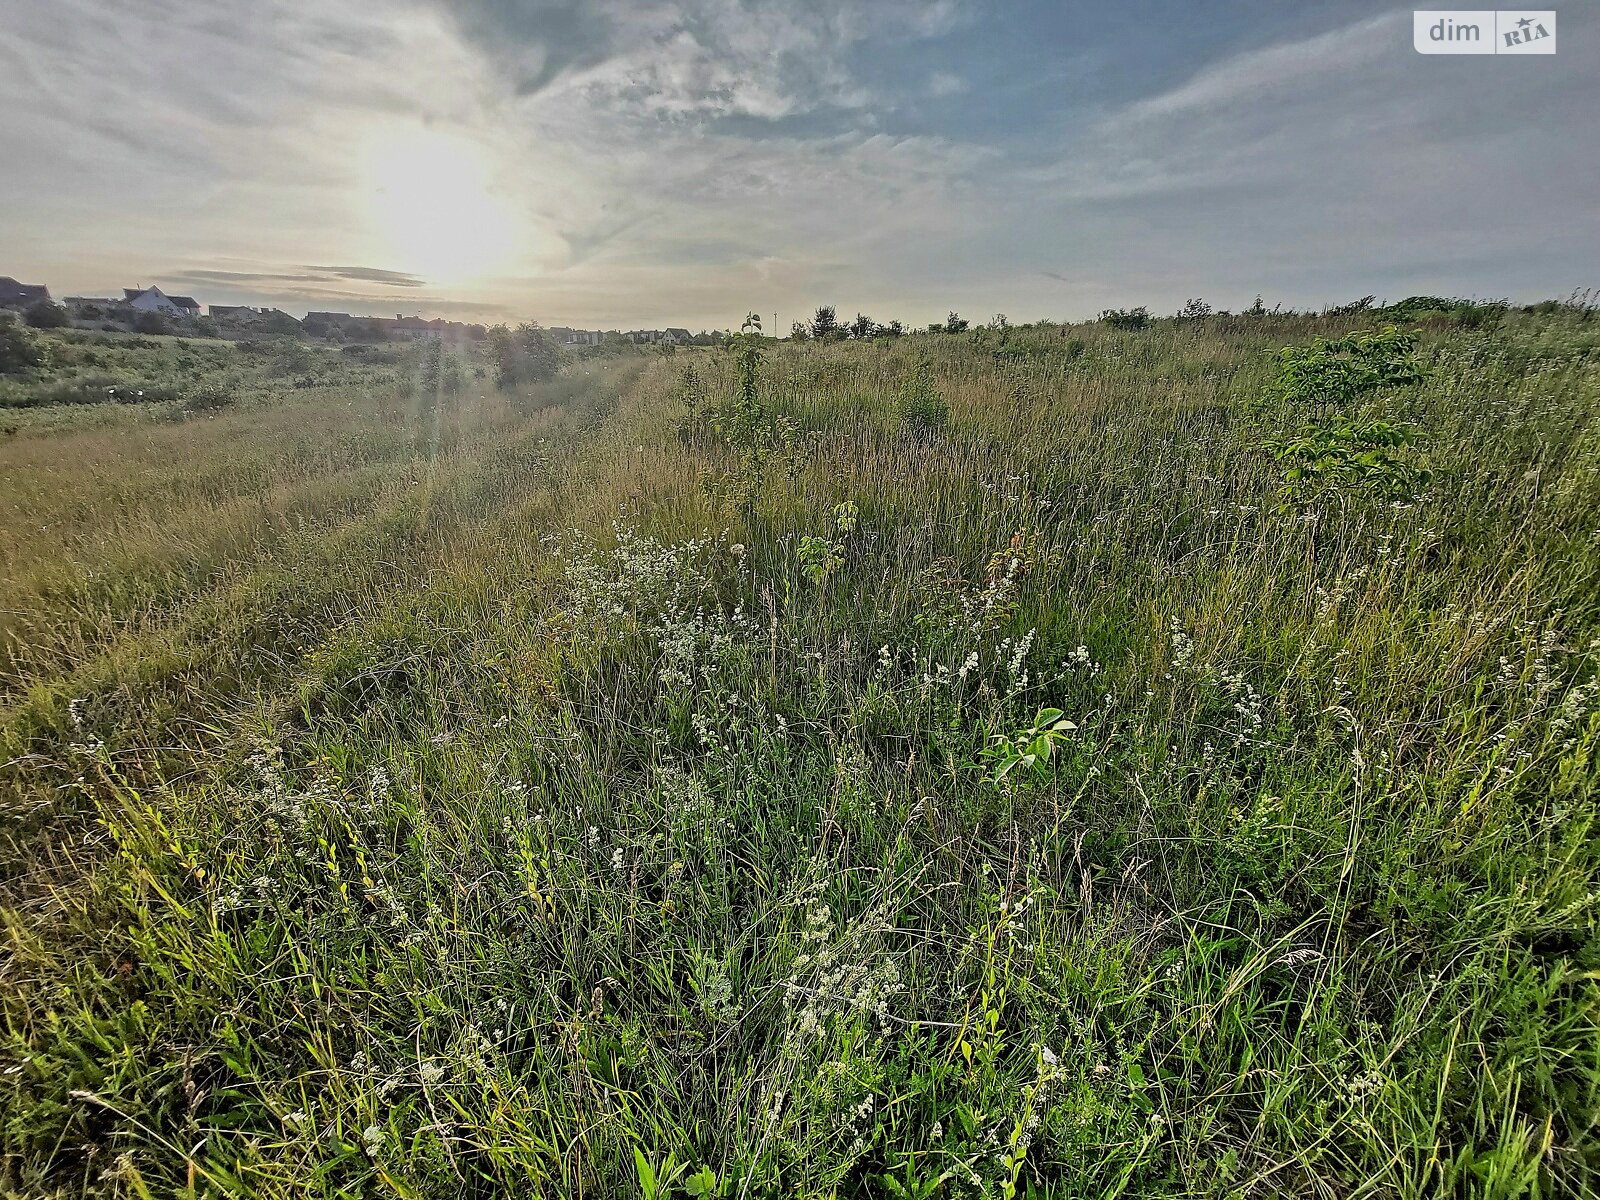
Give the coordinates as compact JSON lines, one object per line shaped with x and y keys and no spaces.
{"x":1525,"y":22}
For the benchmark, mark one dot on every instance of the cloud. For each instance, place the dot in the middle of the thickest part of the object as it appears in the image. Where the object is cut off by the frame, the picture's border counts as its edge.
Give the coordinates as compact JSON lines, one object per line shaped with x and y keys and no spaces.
{"x":373,"y":275}
{"x":317,"y":275}
{"x":680,"y":161}
{"x":691,"y":59}
{"x":1257,"y":74}
{"x":535,"y":41}
{"x":239,"y":278}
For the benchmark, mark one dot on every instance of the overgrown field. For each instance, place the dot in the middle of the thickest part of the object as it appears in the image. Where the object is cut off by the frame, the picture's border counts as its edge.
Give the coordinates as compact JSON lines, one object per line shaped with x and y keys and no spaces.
{"x":1062,"y":761}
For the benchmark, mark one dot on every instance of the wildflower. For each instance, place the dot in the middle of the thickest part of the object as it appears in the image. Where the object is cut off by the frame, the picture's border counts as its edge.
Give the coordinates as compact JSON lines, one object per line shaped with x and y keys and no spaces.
{"x":372,"y":1140}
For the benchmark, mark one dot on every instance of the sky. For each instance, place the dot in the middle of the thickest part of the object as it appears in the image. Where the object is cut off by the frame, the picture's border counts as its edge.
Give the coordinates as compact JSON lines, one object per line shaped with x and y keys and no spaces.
{"x":612,"y":164}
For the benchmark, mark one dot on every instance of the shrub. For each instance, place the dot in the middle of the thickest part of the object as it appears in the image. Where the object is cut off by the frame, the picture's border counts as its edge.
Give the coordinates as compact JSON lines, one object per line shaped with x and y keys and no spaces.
{"x":1352,"y":309}
{"x":1194,"y":310}
{"x":1327,"y":376}
{"x":18,"y":350}
{"x":1469,"y":314}
{"x":526,"y":354}
{"x":922,"y":409}
{"x":1326,"y":446}
{"x":42,"y":314}
{"x":1127,"y":318}
{"x":208,"y":395}
{"x":151,"y":322}
{"x":1351,"y":456}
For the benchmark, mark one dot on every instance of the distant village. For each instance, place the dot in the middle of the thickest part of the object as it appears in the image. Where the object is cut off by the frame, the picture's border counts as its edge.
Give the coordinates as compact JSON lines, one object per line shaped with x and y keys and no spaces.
{"x":152,"y":310}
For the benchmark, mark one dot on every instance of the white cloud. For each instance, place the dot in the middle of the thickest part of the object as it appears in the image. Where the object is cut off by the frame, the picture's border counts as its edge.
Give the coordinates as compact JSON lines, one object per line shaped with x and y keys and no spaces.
{"x":1258,"y":74}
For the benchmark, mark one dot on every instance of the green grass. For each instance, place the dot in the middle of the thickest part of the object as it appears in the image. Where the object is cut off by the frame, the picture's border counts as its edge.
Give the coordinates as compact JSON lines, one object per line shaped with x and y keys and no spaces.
{"x":457,"y":800}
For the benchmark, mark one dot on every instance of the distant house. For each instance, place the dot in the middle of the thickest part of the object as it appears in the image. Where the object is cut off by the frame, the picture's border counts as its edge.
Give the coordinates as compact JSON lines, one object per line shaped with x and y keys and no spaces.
{"x":21,"y":295}
{"x":417,"y":327}
{"x":670,"y":337}
{"x":243,"y":314}
{"x":575,"y":337}
{"x":153,"y":299}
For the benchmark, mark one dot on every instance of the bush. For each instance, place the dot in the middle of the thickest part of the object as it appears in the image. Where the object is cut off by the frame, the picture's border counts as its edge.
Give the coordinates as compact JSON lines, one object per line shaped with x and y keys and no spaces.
{"x":1353,"y":309}
{"x":1127,"y":318}
{"x":42,"y":314}
{"x":151,"y":322}
{"x":1328,"y":448}
{"x":91,"y":389}
{"x":1469,"y":314}
{"x":18,"y":350}
{"x":524,"y":355}
{"x":922,"y":409}
{"x":207,"y":396}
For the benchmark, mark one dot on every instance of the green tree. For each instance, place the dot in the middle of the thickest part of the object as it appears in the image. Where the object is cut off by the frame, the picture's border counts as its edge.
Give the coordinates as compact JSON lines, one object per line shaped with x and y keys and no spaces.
{"x":541,"y":356}
{"x":526,"y":354}
{"x":825,"y":324}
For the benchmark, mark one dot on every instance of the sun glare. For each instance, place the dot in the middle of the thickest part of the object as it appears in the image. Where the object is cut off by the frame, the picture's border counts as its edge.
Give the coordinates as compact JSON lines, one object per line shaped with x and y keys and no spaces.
{"x":433,"y":210}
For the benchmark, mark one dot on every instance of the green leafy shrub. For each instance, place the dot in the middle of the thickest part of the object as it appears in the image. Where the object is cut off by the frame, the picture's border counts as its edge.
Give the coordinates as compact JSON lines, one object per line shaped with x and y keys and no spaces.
{"x":1328,"y":375}
{"x":1359,"y":456}
{"x":1325,"y":444}
{"x":759,"y":439}
{"x":921,"y":408}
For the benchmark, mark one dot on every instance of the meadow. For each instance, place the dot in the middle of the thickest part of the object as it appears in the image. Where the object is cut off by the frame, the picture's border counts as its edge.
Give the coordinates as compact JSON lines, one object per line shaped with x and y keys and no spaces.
{"x":1114,"y":759}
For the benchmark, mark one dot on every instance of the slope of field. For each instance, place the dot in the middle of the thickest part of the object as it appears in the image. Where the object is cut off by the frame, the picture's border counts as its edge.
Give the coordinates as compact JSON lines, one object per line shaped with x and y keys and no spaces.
{"x":954,"y":767}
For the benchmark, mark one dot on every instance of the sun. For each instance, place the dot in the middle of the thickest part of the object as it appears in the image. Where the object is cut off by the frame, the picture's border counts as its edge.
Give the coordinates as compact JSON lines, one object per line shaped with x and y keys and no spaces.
{"x":433,"y":210}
